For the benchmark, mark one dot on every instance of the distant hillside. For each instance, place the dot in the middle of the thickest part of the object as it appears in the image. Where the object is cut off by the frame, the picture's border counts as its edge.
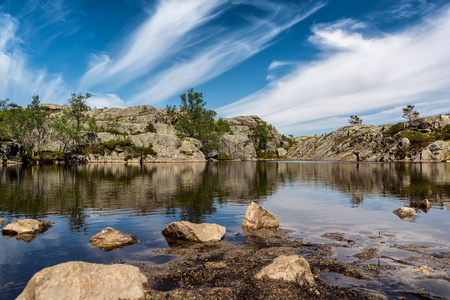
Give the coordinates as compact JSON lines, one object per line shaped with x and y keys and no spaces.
{"x":427,"y":139}
{"x":143,"y":133}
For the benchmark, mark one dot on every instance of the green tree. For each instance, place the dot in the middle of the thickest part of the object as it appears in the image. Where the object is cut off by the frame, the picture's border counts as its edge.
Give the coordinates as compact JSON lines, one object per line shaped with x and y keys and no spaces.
{"x":410,"y":114}
{"x":198,"y":122}
{"x":69,"y":126}
{"x":354,"y":120}
{"x":78,"y":107}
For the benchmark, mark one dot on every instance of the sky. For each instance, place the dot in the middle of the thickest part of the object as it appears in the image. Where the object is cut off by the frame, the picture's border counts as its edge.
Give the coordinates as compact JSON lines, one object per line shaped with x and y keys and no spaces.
{"x":302,"y":66}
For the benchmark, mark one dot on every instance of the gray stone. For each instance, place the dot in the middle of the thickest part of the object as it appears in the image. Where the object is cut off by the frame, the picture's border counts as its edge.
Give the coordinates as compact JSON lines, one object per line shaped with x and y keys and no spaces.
{"x":424,"y":205}
{"x":404,"y":143}
{"x":187,"y":231}
{"x":81,"y":280}
{"x":111,"y":238}
{"x":238,"y":146}
{"x":436,"y":151}
{"x":405,"y":213}
{"x":26,"y":226}
{"x":281,"y":151}
{"x":288,"y":268}
{"x":257,"y":217}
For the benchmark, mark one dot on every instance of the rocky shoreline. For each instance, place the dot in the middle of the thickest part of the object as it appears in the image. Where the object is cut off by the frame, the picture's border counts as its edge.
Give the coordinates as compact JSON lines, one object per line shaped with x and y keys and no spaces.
{"x":261,"y":262}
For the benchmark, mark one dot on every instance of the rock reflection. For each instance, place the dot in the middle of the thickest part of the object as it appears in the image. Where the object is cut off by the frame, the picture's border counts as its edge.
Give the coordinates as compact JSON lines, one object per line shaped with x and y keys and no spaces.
{"x":193,"y":190}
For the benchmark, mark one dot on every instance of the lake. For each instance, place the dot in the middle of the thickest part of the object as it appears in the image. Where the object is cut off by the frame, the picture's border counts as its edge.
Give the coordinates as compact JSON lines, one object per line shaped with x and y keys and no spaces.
{"x":310,"y":199}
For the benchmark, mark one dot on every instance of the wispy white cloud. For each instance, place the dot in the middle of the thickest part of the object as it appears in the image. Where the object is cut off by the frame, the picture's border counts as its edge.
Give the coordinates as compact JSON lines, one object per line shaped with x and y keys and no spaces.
{"x":232,"y":48}
{"x":107,"y":100}
{"x":405,"y":9}
{"x":278,"y":63}
{"x":160,"y":35}
{"x":360,"y":76}
{"x":19,"y":80}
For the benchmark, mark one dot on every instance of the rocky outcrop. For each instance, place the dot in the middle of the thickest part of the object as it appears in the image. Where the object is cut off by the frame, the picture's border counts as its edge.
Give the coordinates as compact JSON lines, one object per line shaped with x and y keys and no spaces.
{"x":288,"y":268}
{"x":405,"y":213}
{"x":264,"y":136}
{"x":257,"y":217}
{"x":26,"y":229}
{"x":110,"y":238}
{"x":81,"y":280}
{"x":378,"y":143}
{"x":26,"y":226}
{"x":436,"y":151}
{"x":11,"y":152}
{"x":187,"y":231}
{"x":238,"y":147}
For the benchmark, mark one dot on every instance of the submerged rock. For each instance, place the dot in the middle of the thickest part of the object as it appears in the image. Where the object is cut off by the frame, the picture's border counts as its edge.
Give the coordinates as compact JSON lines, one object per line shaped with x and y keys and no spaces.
{"x":257,"y":217}
{"x":424,"y":205}
{"x":2,"y":221}
{"x":405,"y":213}
{"x":81,"y":280}
{"x":424,"y":269}
{"x":187,"y":231}
{"x":26,"y":226}
{"x":111,"y":238}
{"x":288,"y":268}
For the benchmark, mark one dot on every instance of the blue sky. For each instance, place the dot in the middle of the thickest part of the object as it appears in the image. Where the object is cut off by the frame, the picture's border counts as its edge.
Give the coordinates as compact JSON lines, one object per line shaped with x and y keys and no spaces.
{"x":303,"y":66}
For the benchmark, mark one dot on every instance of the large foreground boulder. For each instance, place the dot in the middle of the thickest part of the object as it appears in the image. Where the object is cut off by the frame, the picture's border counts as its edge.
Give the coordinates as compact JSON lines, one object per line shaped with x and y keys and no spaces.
{"x":187,"y":231}
{"x":81,"y":280}
{"x":405,"y":213}
{"x":26,"y":226}
{"x":288,"y":268}
{"x":257,"y":217}
{"x":111,"y":238}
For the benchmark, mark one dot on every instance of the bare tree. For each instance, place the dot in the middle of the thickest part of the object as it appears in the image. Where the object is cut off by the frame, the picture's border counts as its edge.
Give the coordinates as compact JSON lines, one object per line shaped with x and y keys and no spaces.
{"x":410,"y":114}
{"x":354,"y":120}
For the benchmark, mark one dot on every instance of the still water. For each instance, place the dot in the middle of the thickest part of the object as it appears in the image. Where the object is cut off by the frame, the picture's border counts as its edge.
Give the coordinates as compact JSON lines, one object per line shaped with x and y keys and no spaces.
{"x":309,"y":198}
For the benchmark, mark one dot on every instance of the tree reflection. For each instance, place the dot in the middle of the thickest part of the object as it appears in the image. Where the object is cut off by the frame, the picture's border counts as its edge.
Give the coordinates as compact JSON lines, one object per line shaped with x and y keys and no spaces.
{"x":193,"y":190}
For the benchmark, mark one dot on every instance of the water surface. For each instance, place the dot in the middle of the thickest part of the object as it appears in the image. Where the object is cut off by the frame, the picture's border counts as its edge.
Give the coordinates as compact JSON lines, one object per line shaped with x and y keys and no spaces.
{"x":310,"y":198}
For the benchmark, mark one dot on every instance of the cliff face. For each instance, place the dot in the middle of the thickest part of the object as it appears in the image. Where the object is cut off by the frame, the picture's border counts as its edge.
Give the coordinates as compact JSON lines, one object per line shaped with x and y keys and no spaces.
{"x":421,"y":141}
{"x":145,"y":125}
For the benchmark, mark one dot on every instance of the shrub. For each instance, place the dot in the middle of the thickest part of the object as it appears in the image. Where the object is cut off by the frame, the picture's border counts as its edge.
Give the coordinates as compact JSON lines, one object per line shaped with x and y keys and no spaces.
{"x":223,"y":156}
{"x":446,"y":133}
{"x":395,"y":129}
{"x":150,"y":128}
{"x":417,"y":137}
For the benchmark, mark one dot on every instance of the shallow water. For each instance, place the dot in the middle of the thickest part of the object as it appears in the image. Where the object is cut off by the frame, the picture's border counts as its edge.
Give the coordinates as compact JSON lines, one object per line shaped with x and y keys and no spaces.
{"x":310,"y":198}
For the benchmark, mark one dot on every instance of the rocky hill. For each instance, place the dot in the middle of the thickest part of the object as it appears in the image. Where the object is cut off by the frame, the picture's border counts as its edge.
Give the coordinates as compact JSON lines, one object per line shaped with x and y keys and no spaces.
{"x":427,"y":139}
{"x":122,"y":131}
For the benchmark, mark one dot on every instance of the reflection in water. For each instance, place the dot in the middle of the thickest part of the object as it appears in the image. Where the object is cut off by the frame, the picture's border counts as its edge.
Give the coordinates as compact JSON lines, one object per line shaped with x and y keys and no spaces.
{"x":191,"y":189}
{"x":309,"y":198}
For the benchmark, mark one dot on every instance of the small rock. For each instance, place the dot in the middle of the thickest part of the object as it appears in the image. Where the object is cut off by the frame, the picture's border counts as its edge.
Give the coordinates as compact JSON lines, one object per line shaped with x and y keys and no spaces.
{"x":424,"y":269}
{"x":288,"y":268}
{"x":281,"y":152}
{"x":111,"y":238}
{"x":26,"y":226}
{"x":81,"y":280}
{"x":187,"y":231}
{"x":2,"y":221}
{"x":405,"y":213}
{"x":257,"y":217}
{"x":424,"y":205}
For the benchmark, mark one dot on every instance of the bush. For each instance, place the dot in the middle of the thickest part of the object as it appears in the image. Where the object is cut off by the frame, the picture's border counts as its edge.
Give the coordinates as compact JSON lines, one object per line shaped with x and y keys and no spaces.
{"x":417,"y":137}
{"x":223,"y":157}
{"x":446,"y":133}
{"x":150,"y":128}
{"x":395,"y":129}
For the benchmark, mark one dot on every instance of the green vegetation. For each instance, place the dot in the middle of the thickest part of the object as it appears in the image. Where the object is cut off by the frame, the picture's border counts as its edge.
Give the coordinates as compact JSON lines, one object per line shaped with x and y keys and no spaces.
{"x":445,"y":135}
{"x":198,"y":122}
{"x":150,"y":128}
{"x":128,"y":147}
{"x":289,"y":139}
{"x":395,"y":129}
{"x":223,"y":157}
{"x":27,"y":126}
{"x":171,"y":109}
